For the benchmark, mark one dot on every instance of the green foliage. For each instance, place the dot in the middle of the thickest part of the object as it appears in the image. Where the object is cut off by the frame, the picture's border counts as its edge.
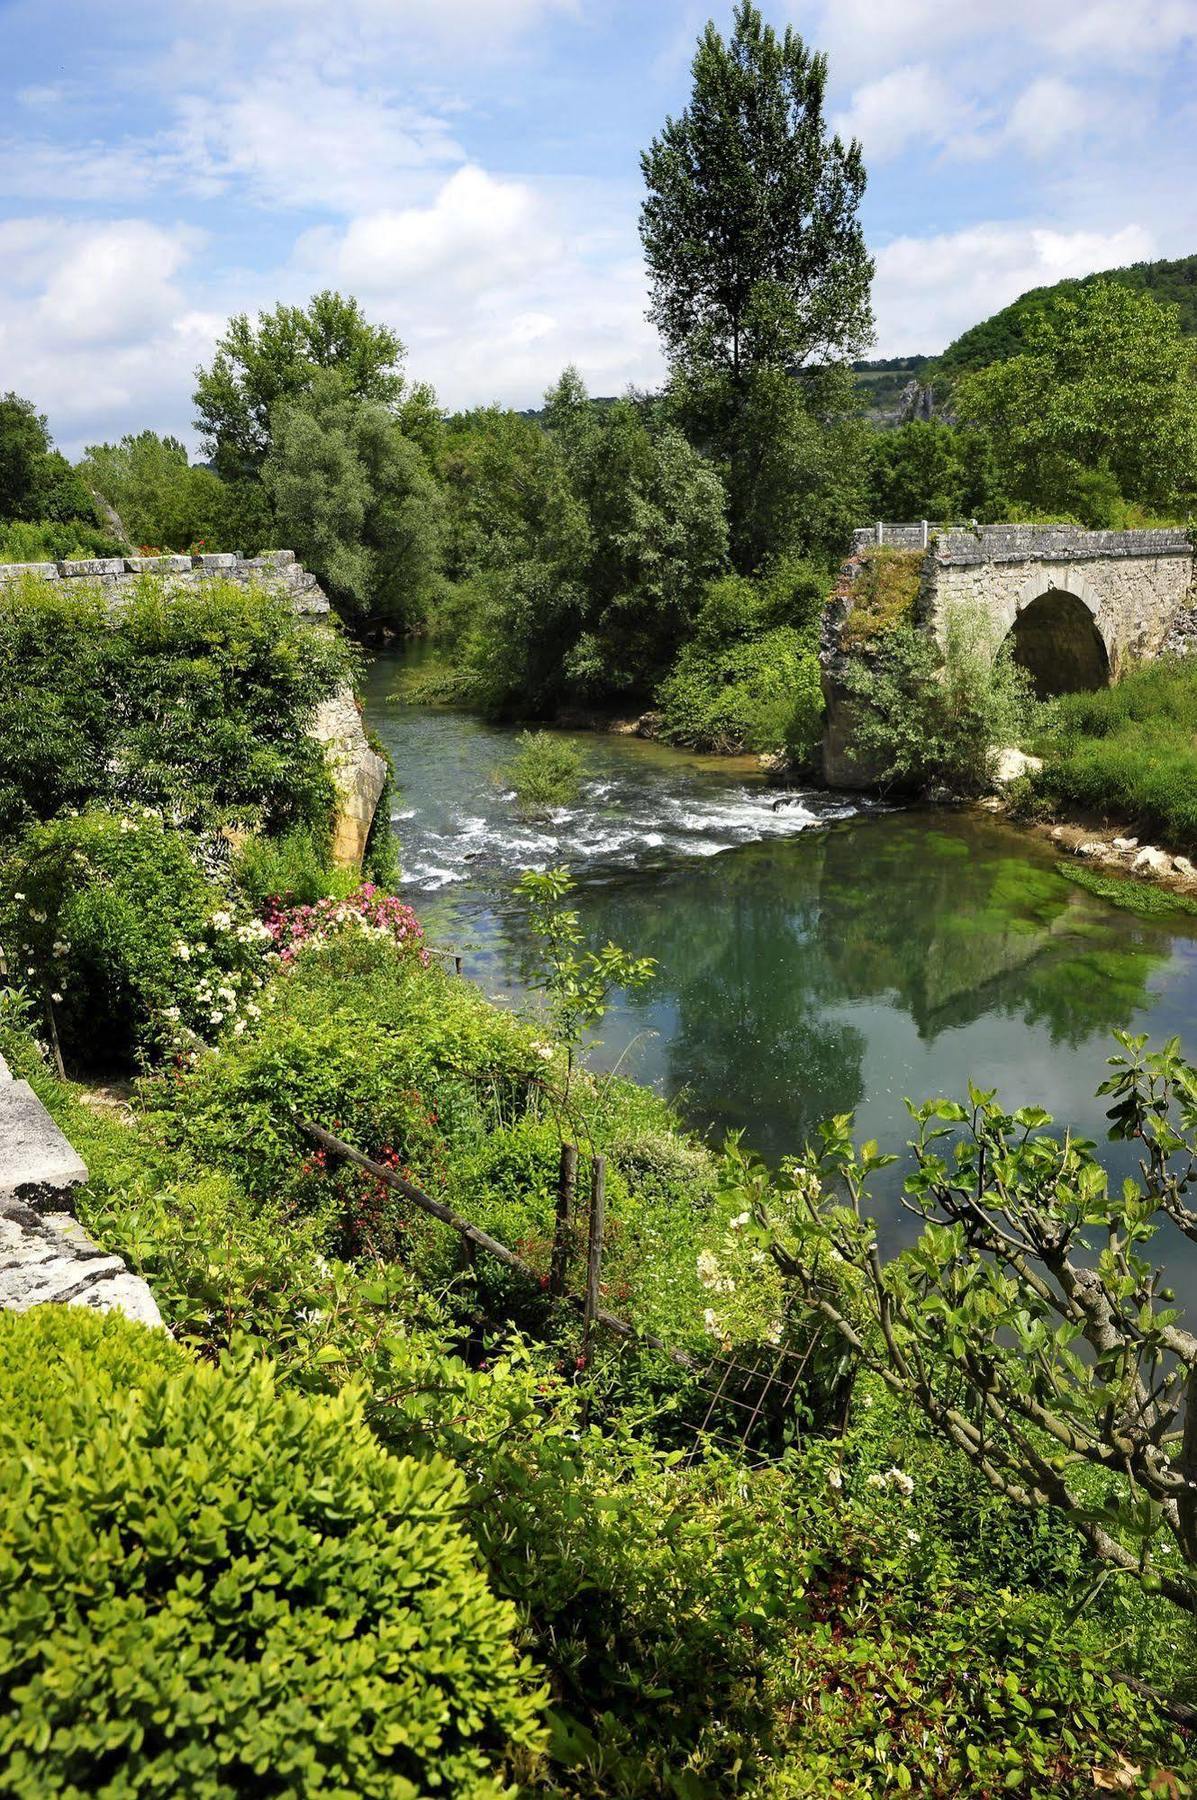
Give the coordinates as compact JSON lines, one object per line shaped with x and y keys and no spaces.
{"x":356,"y":499}
{"x":113,"y":921}
{"x":754,"y":250}
{"x":36,"y":481}
{"x":546,"y":772}
{"x":294,"y":869}
{"x":162,"y":500}
{"x":1102,"y":403}
{"x":509,"y":499}
{"x":1126,"y":892}
{"x":48,"y":540}
{"x":257,"y":366}
{"x":192,"y":703}
{"x":206,"y":1583}
{"x":929,"y":470}
{"x":923,"y":717}
{"x":1008,"y":332}
{"x":762,"y":695}
{"x":1060,"y":1373}
{"x":792,"y":456}
{"x":885,"y":596}
{"x":1128,"y":751}
{"x":578,"y":983}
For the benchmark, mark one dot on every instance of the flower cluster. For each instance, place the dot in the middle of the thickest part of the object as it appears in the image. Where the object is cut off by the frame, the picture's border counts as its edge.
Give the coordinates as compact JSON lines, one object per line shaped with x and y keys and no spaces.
{"x":294,"y":929}
{"x":892,"y":1478}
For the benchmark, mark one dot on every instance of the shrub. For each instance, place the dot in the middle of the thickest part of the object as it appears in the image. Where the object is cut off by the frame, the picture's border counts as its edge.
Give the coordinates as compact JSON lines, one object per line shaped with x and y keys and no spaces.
{"x":111,"y":916}
{"x":293,"y":870}
{"x":1129,"y":752}
{"x":196,"y":703}
{"x":922,"y":716}
{"x":49,"y":540}
{"x":546,"y":772}
{"x":366,"y":910}
{"x":762,"y":694}
{"x":207,"y":1586}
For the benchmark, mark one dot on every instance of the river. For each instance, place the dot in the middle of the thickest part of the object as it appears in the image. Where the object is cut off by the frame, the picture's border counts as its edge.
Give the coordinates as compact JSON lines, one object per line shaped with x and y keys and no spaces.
{"x":815,"y":954}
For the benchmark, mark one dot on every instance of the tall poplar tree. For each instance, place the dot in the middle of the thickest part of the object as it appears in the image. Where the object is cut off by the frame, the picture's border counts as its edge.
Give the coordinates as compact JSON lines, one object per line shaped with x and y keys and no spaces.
{"x":754,"y":249}
{"x":760,"y":282}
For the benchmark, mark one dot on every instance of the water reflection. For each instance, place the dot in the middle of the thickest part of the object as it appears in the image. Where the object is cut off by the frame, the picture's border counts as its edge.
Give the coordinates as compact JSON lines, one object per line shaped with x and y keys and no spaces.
{"x":838,"y":968}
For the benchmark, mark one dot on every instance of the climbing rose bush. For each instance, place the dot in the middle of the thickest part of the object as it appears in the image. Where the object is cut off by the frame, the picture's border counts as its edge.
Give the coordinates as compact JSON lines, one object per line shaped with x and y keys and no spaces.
{"x":368,"y":910}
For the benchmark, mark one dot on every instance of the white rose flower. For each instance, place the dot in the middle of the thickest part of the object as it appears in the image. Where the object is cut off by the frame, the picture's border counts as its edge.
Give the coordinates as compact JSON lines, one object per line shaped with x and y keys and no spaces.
{"x":57,"y":999}
{"x":221,"y":921}
{"x":183,"y":951}
{"x":835,"y":1479}
{"x":216,"y":1017}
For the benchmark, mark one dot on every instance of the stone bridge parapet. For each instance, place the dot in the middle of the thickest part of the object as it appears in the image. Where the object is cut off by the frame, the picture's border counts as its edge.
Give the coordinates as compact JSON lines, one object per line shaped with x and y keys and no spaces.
{"x":275,"y":570}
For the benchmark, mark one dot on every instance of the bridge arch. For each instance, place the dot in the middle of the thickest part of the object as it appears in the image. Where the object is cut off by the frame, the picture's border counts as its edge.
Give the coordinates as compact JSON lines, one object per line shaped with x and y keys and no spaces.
{"x":1056,"y":634}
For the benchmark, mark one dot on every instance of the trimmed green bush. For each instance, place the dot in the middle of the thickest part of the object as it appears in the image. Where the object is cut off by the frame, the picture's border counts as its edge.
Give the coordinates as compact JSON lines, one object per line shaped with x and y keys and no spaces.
{"x":211,"y":1588}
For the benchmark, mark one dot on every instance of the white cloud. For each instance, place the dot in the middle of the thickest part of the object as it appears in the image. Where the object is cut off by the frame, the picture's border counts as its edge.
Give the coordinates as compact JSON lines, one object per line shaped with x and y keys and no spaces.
{"x":477,"y":233}
{"x":114,"y":283}
{"x":497,"y":283}
{"x":910,"y":103}
{"x":95,"y":326}
{"x":929,"y":289}
{"x":1046,"y":115}
{"x":297,"y":140}
{"x":863,"y":36}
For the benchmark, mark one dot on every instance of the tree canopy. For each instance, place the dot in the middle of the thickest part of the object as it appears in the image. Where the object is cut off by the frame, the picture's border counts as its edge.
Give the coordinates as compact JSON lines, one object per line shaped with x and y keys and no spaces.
{"x":754,"y":250}
{"x":256,"y":366}
{"x":1107,"y":386}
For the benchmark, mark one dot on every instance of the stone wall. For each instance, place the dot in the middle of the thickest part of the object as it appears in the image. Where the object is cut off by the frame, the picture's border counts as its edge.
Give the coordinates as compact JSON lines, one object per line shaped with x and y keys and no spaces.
{"x":45,"y":1254}
{"x":276,"y":570}
{"x":358,"y":773}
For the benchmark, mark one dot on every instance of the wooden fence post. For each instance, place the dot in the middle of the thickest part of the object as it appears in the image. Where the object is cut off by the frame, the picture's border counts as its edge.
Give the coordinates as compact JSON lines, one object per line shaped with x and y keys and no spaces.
{"x":594,"y":1252}
{"x":563,"y":1225}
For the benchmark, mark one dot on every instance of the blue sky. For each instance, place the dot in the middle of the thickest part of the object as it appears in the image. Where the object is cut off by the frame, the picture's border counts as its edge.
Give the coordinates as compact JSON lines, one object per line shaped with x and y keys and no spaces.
{"x":470,"y":170}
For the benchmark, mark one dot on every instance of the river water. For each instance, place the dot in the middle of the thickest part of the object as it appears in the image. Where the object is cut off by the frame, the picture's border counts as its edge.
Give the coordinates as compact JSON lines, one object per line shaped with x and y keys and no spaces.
{"x":815,"y":954}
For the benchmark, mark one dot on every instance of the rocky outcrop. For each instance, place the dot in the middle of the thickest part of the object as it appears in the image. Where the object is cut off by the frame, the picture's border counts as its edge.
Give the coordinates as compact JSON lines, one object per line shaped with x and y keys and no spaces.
{"x":45,"y":1254}
{"x":358,"y":773}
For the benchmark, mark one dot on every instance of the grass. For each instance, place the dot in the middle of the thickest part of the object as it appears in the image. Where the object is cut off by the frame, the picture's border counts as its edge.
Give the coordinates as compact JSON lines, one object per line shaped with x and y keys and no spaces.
{"x":884,"y":596}
{"x":1129,"y":752}
{"x":546,"y":772}
{"x":1132,"y":896}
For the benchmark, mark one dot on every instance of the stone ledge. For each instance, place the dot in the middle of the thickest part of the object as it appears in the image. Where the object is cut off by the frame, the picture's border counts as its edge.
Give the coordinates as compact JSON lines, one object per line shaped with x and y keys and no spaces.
{"x":45,"y":1254}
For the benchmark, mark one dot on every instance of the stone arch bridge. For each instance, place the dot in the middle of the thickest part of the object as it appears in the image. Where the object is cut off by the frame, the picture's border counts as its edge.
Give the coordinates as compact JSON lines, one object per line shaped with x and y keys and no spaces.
{"x":1077,"y":607}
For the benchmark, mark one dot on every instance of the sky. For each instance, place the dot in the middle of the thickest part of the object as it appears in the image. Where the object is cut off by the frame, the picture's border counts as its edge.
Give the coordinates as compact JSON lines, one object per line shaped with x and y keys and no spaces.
{"x":470,"y":170}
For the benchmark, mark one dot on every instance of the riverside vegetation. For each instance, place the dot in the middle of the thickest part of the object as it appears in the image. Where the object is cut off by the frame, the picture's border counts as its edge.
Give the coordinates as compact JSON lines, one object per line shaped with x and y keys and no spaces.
{"x":370,"y":1518}
{"x":497,"y":1556}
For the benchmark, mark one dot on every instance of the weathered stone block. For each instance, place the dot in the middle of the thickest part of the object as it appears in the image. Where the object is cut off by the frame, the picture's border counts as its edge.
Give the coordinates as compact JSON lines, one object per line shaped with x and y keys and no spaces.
{"x":86,"y":567}
{"x":42,"y":571}
{"x":358,"y":775}
{"x":37,"y":1164}
{"x":158,"y":565}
